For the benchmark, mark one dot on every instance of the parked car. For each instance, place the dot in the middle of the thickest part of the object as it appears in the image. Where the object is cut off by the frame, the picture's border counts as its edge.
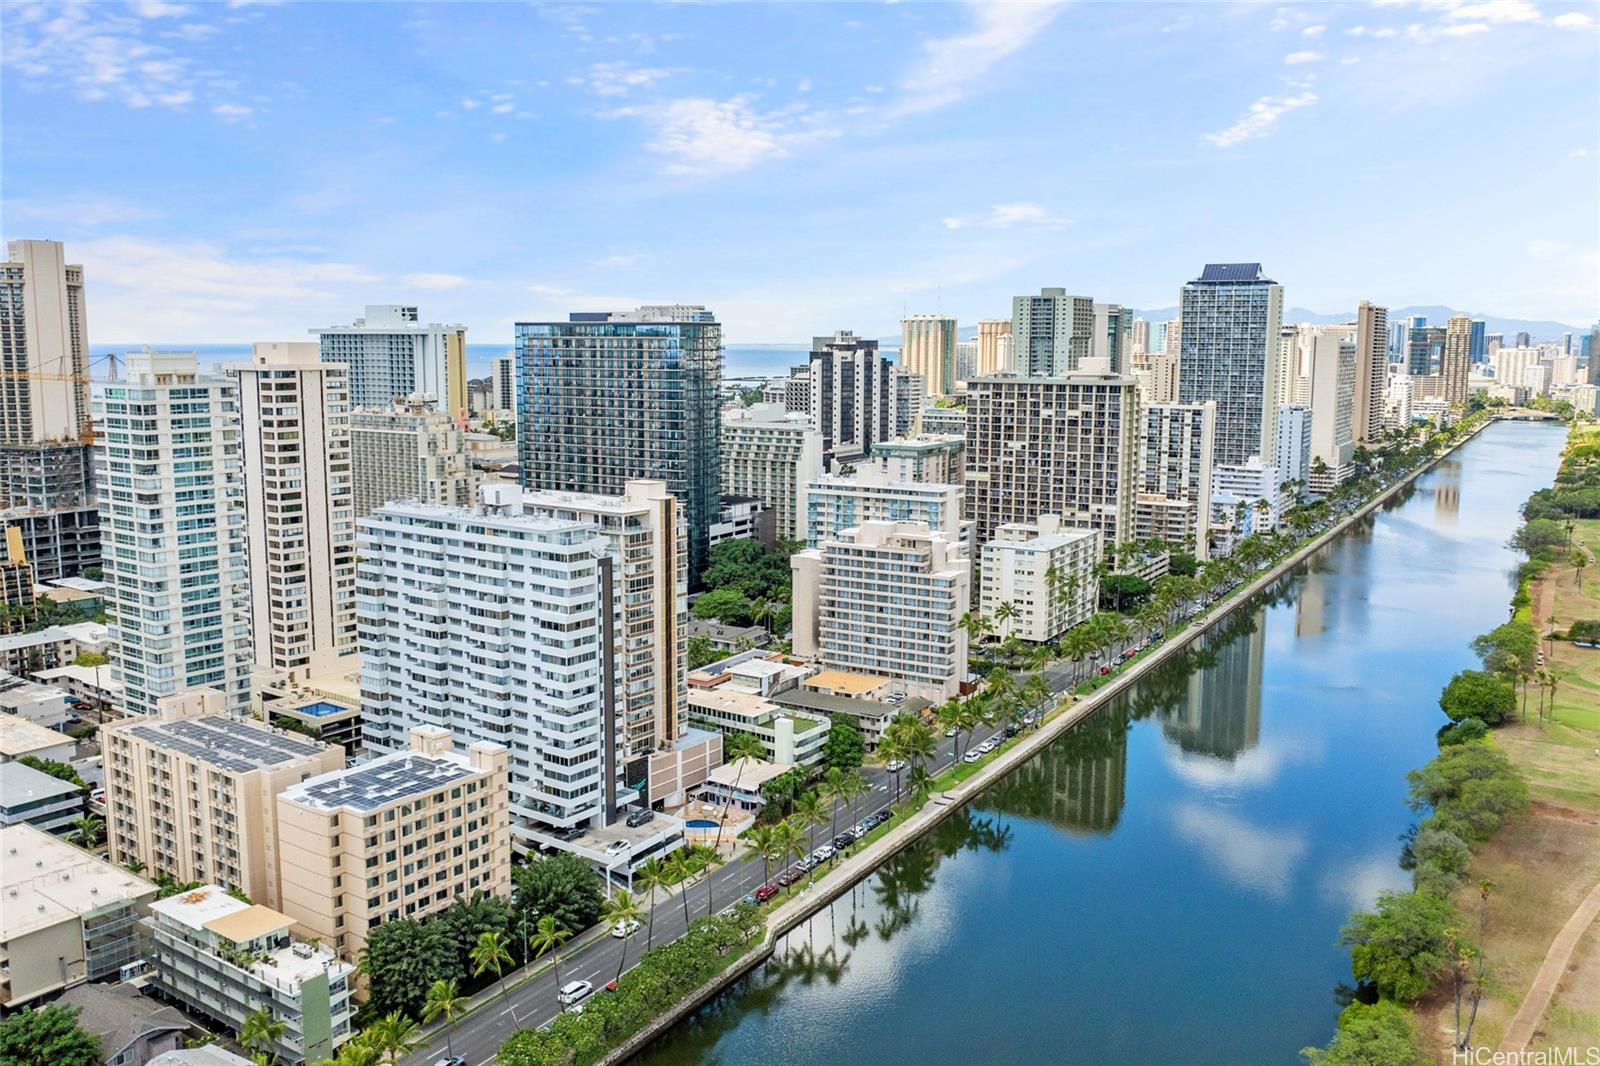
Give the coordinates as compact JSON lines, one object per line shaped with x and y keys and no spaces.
{"x":822,"y":854}
{"x":1011,"y":730}
{"x":766,"y":892}
{"x":640,"y":817}
{"x":895,"y":766}
{"x":574,"y":992}
{"x":625,"y":929}
{"x":972,"y":756}
{"x":843,"y":840}
{"x":750,"y":899}
{"x":616,"y":847}
{"x":789,"y":877}
{"x":450,"y":1060}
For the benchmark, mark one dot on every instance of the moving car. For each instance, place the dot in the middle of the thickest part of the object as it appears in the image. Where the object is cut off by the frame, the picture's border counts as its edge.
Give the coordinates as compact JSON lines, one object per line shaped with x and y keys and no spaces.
{"x":896,"y":766}
{"x":450,"y":1060}
{"x":574,"y":992}
{"x":625,"y":929}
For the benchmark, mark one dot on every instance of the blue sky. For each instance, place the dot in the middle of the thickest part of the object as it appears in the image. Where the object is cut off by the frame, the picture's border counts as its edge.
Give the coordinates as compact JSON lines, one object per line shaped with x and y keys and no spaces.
{"x":239,"y":171}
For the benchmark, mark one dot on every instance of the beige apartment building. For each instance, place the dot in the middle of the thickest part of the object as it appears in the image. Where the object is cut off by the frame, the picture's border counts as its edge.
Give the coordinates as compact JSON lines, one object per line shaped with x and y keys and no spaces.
{"x":995,"y":349}
{"x":771,"y":454}
{"x":190,"y":791}
{"x":1457,"y":362}
{"x":411,"y":451}
{"x":928,"y":348}
{"x":1065,"y":445}
{"x":1372,"y":371}
{"x":404,"y":835}
{"x":1046,"y":571}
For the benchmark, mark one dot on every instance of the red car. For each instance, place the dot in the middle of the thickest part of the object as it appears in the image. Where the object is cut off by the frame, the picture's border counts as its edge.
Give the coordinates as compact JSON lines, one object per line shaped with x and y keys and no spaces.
{"x":766,"y":892}
{"x":1104,"y":670}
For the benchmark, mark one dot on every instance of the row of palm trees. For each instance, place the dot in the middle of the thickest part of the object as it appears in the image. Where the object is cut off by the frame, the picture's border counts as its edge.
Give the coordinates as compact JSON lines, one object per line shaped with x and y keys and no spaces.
{"x":795,"y":836}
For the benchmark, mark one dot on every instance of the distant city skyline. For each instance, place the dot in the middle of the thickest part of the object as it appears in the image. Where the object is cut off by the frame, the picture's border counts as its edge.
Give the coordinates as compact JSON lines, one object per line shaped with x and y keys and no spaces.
{"x":242,"y":172}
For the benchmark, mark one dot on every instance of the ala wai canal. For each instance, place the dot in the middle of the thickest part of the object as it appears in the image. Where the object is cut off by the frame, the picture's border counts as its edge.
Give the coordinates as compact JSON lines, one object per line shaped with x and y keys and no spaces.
{"x":1166,"y":882}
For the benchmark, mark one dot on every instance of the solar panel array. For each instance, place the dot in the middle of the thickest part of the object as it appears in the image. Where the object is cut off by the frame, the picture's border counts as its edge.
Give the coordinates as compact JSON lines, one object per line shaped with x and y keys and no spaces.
{"x":1232,"y":272}
{"x":226,"y":743}
{"x":379,"y":783}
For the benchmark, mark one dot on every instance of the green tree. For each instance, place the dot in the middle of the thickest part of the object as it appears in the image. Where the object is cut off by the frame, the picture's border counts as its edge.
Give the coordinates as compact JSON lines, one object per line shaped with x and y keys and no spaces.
{"x":261,"y":1032}
{"x":737,"y":748}
{"x":88,"y":830}
{"x":1507,"y":649}
{"x":402,"y":959}
{"x":1402,"y":947}
{"x":701,"y":651}
{"x":844,"y":748}
{"x":394,"y":1036}
{"x":1480,"y":695}
{"x":491,"y":953}
{"x":443,"y":1002}
{"x":620,"y":912}
{"x":47,"y":1036}
{"x":726,"y":605}
{"x":548,"y":937}
{"x":1376,"y":1034}
{"x":562,"y":886}
{"x":763,"y":841}
{"x":810,"y":811}
{"x":1537,"y":535}
{"x":651,"y":875}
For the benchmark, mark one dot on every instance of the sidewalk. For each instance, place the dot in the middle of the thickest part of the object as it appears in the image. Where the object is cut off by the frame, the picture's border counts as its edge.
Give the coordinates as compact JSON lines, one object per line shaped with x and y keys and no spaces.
{"x":1520,"y":1032}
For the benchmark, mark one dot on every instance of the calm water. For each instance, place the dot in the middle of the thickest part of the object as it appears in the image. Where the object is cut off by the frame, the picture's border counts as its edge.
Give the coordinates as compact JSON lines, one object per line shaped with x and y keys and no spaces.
{"x":1165,"y":884}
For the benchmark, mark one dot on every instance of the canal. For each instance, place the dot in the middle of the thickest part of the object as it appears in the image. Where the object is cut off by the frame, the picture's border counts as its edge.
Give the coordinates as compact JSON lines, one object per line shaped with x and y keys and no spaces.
{"x":1166,"y":882}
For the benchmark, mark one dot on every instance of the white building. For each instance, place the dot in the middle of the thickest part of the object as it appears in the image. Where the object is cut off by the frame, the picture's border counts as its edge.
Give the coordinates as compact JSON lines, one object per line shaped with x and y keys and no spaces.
{"x":772,"y":454}
{"x":836,"y":502}
{"x":1292,"y":454}
{"x":392,"y":354}
{"x":790,"y":737}
{"x":1331,"y":373}
{"x":886,"y":599}
{"x":503,"y":383}
{"x":1536,"y":379}
{"x":1173,"y":503}
{"x":1397,"y":401}
{"x":936,"y":457}
{"x":411,"y":451}
{"x":32,"y":797}
{"x":173,"y":529}
{"x":225,"y":959}
{"x":1238,"y":491}
{"x":1046,"y":572}
{"x":294,"y":410}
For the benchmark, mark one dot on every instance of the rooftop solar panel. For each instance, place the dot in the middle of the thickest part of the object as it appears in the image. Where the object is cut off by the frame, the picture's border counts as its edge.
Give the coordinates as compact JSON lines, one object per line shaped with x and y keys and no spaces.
{"x":366,"y":788}
{"x":226,"y":743}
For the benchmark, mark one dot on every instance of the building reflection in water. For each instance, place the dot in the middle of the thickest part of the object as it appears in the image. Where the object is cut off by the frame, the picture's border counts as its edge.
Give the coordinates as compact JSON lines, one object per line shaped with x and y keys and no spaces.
{"x":1079,"y":782}
{"x":1219,"y":714}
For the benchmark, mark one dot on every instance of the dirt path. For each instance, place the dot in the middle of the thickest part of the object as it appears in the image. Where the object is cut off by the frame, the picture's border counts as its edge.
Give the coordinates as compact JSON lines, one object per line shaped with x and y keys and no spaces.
{"x":1556,"y":960}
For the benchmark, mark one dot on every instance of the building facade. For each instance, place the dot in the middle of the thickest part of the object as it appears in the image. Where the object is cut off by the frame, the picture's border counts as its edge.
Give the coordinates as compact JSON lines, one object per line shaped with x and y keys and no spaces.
{"x":391,"y":354}
{"x":995,"y":347}
{"x":1173,"y":504}
{"x":1372,"y":372}
{"x":173,"y":515}
{"x":610,"y":397}
{"x":930,"y":457}
{"x":855,"y":395}
{"x":771,"y":454}
{"x":1052,"y":332}
{"x":299,"y":501}
{"x":1456,"y":363}
{"x":836,"y":502}
{"x":928,"y":348}
{"x":410,"y":451}
{"x":1291,"y":452}
{"x":1046,"y":572}
{"x":1229,"y":319}
{"x":1332,"y":376}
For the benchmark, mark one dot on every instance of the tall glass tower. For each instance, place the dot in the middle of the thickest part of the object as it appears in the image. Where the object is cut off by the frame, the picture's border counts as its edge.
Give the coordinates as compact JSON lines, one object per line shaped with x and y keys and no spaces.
{"x":608,"y":397}
{"x":1229,"y":318}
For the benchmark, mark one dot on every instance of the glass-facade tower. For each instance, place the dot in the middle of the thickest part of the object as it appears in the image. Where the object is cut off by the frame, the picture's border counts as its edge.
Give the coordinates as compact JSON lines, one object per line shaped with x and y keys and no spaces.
{"x":1229,"y":318}
{"x":608,"y":397}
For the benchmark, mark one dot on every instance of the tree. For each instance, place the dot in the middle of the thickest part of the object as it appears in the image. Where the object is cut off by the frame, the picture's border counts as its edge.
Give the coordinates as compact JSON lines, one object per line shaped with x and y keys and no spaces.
{"x":1507,"y":648}
{"x":680,"y":871}
{"x":737,"y":748}
{"x":442,"y":1002}
{"x":1003,"y":614}
{"x":490,"y":953}
{"x":810,"y":811}
{"x":621,"y":911}
{"x":1580,"y":559}
{"x":792,"y":840}
{"x":1480,"y":695}
{"x":1402,"y":947}
{"x":394,"y":1036}
{"x":976,"y":626}
{"x":834,"y":792}
{"x":1537,"y":535}
{"x":47,"y":1036}
{"x":402,"y":959}
{"x":845,"y":748}
{"x":651,"y":875}
{"x":562,"y":886}
{"x":701,"y":651}
{"x":261,"y":1032}
{"x":763,"y":841}
{"x":88,"y":829}
{"x":549,"y":936}
{"x":726,"y":605}
{"x":1376,"y":1034}
{"x":920,"y":783}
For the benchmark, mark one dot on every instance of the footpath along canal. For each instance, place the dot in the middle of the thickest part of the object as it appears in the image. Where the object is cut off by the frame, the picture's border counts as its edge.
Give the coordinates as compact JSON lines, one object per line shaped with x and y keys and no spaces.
{"x":1166,"y":881}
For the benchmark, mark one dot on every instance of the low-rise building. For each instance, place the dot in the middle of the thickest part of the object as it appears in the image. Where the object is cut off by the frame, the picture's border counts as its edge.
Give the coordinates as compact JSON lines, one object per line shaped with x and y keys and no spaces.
{"x":36,"y":798}
{"x":724,"y":637}
{"x":787,"y":736}
{"x":225,"y":959}
{"x":44,"y":705}
{"x":745,"y":518}
{"x":402,"y":836}
{"x":19,"y":737}
{"x":191,"y":793}
{"x":1246,"y":498}
{"x":326,"y":706}
{"x":739,"y":783}
{"x":943,"y":421}
{"x":1045,"y":571}
{"x":133,"y":1028}
{"x":86,"y":684}
{"x":26,"y":653}
{"x":67,"y":916}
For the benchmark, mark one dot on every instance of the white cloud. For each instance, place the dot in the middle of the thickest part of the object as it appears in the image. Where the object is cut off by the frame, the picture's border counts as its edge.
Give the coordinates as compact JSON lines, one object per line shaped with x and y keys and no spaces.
{"x":1296,"y":58}
{"x":157,"y":9}
{"x":949,"y":67}
{"x":504,"y":109}
{"x":85,"y":212}
{"x":470,"y":104}
{"x":620,"y":78}
{"x":1581,"y":153}
{"x":432,"y":281}
{"x":1573,"y":20}
{"x":1004,"y":216}
{"x":232,"y":112}
{"x":1357,"y":31}
{"x":1313,"y":31}
{"x":1262,"y":116}
{"x":709,"y":136}
{"x":1497,"y":11}
{"x":617,"y":262}
{"x":1253,"y":858}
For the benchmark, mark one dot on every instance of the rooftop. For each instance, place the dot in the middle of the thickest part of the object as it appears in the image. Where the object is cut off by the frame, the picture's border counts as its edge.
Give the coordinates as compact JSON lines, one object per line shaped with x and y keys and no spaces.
{"x":1233,"y":273}
{"x":21,"y":641}
{"x":227,"y":743}
{"x":845,"y":683}
{"x":212,"y":909}
{"x":248,"y":924}
{"x":828,"y":703}
{"x":204,"y":1055}
{"x":747,"y":774}
{"x":119,"y":1015}
{"x":733,"y":702}
{"x":47,"y":881}
{"x":19,"y":737}
{"x":21,"y":784}
{"x":380,"y":782}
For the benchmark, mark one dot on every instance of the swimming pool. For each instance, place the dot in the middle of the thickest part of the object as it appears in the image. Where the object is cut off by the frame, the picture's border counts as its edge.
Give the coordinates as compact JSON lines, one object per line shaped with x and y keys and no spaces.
{"x":700,"y":823}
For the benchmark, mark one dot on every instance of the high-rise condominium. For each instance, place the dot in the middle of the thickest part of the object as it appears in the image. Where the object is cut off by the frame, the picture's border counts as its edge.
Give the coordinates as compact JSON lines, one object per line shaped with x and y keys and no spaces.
{"x":1230,"y":316}
{"x":1113,"y":336}
{"x":46,"y":484}
{"x":1479,"y":344}
{"x":856,"y":395}
{"x":928,"y":347}
{"x":1457,"y":360}
{"x":1065,"y":445}
{"x":1524,"y":339}
{"x":1171,"y":336}
{"x":411,"y":451}
{"x":392,"y":354}
{"x":503,"y":383}
{"x":173,"y":513}
{"x":995,"y":346}
{"x":1372,"y":372}
{"x":1140,"y":338}
{"x":1331,"y":373}
{"x":772,"y":454}
{"x":1424,"y":348}
{"x":295,"y":415}
{"x":1173,"y":503}
{"x":1052,"y":332}
{"x":610,"y":397}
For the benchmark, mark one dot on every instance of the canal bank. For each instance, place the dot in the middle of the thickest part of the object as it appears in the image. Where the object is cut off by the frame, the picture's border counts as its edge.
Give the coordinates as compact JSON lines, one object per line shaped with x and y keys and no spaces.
{"x":1026,"y":747}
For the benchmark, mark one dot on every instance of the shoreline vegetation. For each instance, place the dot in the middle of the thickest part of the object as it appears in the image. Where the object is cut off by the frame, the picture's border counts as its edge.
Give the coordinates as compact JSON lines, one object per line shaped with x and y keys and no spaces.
{"x":1510,"y":838}
{"x":611,"y":1035}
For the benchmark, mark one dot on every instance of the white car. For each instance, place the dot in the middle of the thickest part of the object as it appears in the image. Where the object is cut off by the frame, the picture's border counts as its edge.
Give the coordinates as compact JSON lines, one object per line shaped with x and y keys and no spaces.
{"x":625,"y":929}
{"x":574,"y":992}
{"x":896,"y":766}
{"x":972,"y":756}
{"x":952,"y":731}
{"x":618,"y":846}
{"x":824,"y":853}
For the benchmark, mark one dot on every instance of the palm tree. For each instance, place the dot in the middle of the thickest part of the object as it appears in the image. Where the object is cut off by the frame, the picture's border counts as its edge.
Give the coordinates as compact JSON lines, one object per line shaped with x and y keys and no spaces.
{"x":679,"y":869}
{"x":763,"y":841}
{"x":1004,"y":614}
{"x":442,"y":1002}
{"x":549,"y":935}
{"x":1000,"y":682}
{"x":1036,"y":690}
{"x":261,"y":1031}
{"x":622,"y":912}
{"x":833,"y":793}
{"x":976,"y":626}
{"x":948,"y":715}
{"x":394,"y":1036}
{"x":893,"y":752}
{"x":810,"y":812}
{"x":792,"y":838}
{"x":86,"y":830}
{"x":921,"y":783}
{"x":651,"y":875}
{"x":490,"y":953}
{"x":856,"y":787}
{"x":738,"y":748}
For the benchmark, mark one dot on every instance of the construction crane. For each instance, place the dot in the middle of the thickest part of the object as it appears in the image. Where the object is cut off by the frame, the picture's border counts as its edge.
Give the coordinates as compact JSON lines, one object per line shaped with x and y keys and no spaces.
{"x":110,"y":359}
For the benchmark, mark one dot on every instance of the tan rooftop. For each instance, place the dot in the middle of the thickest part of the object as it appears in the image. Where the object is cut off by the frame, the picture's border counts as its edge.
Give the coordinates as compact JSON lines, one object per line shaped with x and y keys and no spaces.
{"x":46,"y":880}
{"x":845,"y":683}
{"x":248,"y":923}
{"x":747,"y":774}
{"x":19,"y":737}
{"x":734,"y":702}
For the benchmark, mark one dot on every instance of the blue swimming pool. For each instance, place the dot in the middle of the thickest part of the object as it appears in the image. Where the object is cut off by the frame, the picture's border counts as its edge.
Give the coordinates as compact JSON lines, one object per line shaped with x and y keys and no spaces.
{"x":700,"y":823}
{"x":319,"y":710}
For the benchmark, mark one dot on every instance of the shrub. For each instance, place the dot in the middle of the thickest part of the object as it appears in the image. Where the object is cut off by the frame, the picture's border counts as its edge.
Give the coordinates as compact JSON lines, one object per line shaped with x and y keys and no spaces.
{"x":1376,"y":1034}
{"x":1463,"y":732}
{"x":1480,"y":695}
{"x":1402,"y":947}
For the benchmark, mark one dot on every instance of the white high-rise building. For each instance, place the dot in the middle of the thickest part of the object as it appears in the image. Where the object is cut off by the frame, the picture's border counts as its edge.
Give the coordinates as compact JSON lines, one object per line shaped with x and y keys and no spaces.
{"x":294,"y":410}
{"x":1372,"y":370}
{"x":1331,"y":374}
{"x":1246,"y":497}
{"x":858,"y":396}
{"x":772,"y":454}
{"x":1171,"y":336}
{"x":995,"y":347}
{"x":493,"y":623}
{"x":886,"y":599}
{"x":836,"y":502}
{"x":173,"y":514}
{"x":1173,"y":504}
{"x":392,"y":354}
{"x":503,"y":383}
{"x":1053,"y":332}
{"x":1292,"y":452}
{"x":1139,"y":349}
{"x":411,"y":451}
{"x":1046,"y":571}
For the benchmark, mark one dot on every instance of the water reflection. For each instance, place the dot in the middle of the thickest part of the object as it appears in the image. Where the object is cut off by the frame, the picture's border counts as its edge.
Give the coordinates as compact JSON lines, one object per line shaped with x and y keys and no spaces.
{"x":1079,"y":783}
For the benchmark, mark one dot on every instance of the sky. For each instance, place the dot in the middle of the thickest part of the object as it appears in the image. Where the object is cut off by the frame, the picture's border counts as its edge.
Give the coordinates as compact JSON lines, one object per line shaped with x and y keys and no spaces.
{"x":237,"y":171}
